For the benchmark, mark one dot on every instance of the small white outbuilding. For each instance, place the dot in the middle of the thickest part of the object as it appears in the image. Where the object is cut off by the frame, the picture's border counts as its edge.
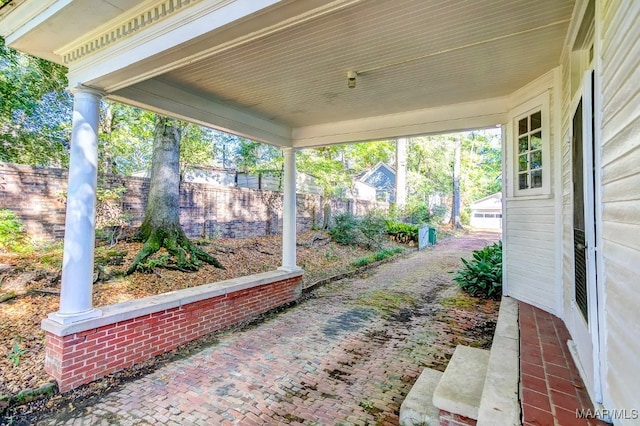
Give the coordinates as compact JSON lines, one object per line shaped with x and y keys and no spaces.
{"x":486,"y":213}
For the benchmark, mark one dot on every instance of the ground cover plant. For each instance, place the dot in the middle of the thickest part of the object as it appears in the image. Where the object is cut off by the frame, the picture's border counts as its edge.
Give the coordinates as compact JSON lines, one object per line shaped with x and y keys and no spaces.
{"x":12,"y":237}
{"x":403,"y":232}
{"x":482,"y":276}
{"x":377,"y":256}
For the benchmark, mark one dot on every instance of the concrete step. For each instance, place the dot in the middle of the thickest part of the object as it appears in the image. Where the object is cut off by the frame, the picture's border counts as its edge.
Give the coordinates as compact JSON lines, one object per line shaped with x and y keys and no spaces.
{"x":500,"y":404}
{"x":417,"y":408}
{"x":460,"y":388}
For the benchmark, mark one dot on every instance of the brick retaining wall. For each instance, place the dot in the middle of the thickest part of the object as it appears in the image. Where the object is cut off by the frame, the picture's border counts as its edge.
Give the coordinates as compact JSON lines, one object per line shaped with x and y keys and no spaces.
{"x":131,"y":332}
{"x":37,"y":196}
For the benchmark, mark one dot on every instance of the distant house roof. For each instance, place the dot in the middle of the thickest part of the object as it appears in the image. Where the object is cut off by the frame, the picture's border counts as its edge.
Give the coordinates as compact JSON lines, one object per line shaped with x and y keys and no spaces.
{"x":490,"y":202}
{"x":383,"y":178}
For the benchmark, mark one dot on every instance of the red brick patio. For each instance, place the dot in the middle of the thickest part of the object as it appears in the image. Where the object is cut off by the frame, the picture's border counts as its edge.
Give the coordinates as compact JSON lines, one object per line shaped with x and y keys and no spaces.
{"x":552,"y":389}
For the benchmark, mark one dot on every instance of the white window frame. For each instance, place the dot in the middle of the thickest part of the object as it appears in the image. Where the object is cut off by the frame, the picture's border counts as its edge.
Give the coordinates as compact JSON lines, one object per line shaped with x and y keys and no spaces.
{"x":539,"y":103}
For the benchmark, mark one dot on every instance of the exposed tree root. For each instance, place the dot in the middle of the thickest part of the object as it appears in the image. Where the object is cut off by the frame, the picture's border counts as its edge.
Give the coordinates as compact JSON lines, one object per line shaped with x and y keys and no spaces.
{"x":186,"y":254}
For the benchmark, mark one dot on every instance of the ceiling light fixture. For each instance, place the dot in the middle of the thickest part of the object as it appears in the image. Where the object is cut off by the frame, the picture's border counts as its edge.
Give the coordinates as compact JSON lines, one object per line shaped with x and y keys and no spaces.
{"x":351,"y":79}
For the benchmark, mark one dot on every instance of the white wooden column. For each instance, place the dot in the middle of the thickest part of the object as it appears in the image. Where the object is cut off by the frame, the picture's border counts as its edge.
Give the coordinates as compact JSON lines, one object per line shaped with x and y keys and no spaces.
{"x":79,"y":236}
{"x":289,"y":212}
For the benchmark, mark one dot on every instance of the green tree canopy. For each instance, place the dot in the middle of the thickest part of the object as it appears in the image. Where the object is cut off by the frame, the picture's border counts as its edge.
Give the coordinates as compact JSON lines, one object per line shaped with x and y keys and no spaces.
{"x":35,"y":110}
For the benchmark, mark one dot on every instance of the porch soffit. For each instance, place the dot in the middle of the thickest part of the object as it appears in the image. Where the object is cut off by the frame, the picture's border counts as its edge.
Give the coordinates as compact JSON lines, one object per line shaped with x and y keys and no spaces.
{"x":278,"y":73}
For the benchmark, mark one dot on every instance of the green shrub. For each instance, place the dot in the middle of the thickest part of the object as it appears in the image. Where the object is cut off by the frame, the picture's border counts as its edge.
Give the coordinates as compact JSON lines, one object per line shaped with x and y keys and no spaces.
{"x":482,"y":276}
{"x":374,"y":230}
{"x":438,"y":213}
{"x":402,"y":232}
{"x":419,"y":213}
{"x":345,"y":229}
{"x":465,"y":216}
{"x":369,"y":231}
{"x":12,"y":235}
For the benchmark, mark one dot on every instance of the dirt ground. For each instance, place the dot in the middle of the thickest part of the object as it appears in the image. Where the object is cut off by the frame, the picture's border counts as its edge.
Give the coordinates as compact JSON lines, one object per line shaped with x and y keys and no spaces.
{"x":349,"y":352}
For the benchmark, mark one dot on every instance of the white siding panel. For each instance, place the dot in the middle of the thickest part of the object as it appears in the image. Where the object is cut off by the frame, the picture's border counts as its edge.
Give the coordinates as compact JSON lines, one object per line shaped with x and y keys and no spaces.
{"x":621,"y":168}
{"x":528,"y":289}
{"x":540,"y":217}
{"x":618,"y":254}
{"x":532,"y":244}
{"x":530,"y":254}
{"x":621,"y":212}
{"x":620,"y":77}
{"x":531,"y":235}
{"x":621,"y":190}
{"x":625,"y":234}
{"x":544,"y":273}
{"x":533,"y":260}
{"x":622,"y":271}
{"x":625,"y":141}
{"x":567,"y":187}
{"x":622,"y":376}
{"x":528,"y":226}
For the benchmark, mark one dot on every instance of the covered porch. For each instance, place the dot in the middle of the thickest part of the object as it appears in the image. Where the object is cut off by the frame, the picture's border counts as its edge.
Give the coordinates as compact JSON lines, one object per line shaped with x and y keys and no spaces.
{"x":301,"y":74}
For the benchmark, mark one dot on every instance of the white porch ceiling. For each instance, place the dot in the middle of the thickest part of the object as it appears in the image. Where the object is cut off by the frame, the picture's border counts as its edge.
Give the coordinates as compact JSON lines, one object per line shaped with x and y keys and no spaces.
{"x":409,"y":54}
{"x":418,"y":61}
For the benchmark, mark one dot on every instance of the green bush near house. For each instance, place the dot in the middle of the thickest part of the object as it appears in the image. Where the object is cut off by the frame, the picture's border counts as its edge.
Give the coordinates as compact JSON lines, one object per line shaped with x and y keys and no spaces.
{"x":12,"y":235}
{"x":482,"y":276}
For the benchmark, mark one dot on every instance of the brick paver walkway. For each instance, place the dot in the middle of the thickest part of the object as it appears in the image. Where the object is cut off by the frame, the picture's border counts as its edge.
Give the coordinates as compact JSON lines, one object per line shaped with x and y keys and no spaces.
{"x":347,"y":355}
{"x":552,"y":389}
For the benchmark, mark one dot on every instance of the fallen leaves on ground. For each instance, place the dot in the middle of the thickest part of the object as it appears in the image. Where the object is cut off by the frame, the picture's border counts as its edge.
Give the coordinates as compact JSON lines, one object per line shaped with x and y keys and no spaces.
{"x":22,"y":340}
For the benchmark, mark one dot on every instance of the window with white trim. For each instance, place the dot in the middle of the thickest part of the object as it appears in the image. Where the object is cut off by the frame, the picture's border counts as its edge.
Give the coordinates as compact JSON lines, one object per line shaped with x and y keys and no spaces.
{"x":530,"y":165}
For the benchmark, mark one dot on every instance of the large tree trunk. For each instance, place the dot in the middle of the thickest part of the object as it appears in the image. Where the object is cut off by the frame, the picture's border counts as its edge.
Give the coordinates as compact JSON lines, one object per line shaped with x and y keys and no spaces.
{"x":455,"y":207}
{"x":161,"y":224}
{"x":326,"y":213}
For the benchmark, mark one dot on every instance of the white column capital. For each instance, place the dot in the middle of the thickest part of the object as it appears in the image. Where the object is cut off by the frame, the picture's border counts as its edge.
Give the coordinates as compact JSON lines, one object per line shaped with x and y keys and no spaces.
{"x":80,"y":89}
{"x":290,"y":150}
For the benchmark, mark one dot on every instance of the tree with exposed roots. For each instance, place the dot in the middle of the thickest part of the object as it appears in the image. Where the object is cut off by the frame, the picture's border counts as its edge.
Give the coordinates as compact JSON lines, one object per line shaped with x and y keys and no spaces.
{"x":161,"y":226}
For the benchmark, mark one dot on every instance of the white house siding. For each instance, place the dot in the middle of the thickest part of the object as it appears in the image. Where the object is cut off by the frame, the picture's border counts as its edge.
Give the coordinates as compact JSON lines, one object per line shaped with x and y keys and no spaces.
{"x":530,"y":257}
{"x":567,"y":190}
{"x":531,"y":250}
{"x":620,"y":139}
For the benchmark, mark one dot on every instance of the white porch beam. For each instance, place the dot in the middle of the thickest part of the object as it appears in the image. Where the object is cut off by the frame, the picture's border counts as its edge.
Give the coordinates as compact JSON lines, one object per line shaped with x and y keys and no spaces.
{"x":289,"y":223}
{"x":79,"y":236}
{"x":446,"y":119}
{"x":168,"y":100}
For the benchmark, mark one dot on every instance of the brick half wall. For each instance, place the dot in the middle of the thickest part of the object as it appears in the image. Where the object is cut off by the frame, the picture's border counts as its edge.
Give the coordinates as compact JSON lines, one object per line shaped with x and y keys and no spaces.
{"x":132,"y":332}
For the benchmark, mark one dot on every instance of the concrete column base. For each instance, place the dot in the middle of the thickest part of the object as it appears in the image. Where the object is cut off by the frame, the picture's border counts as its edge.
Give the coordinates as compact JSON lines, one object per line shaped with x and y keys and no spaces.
{"x":70,"y":318}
